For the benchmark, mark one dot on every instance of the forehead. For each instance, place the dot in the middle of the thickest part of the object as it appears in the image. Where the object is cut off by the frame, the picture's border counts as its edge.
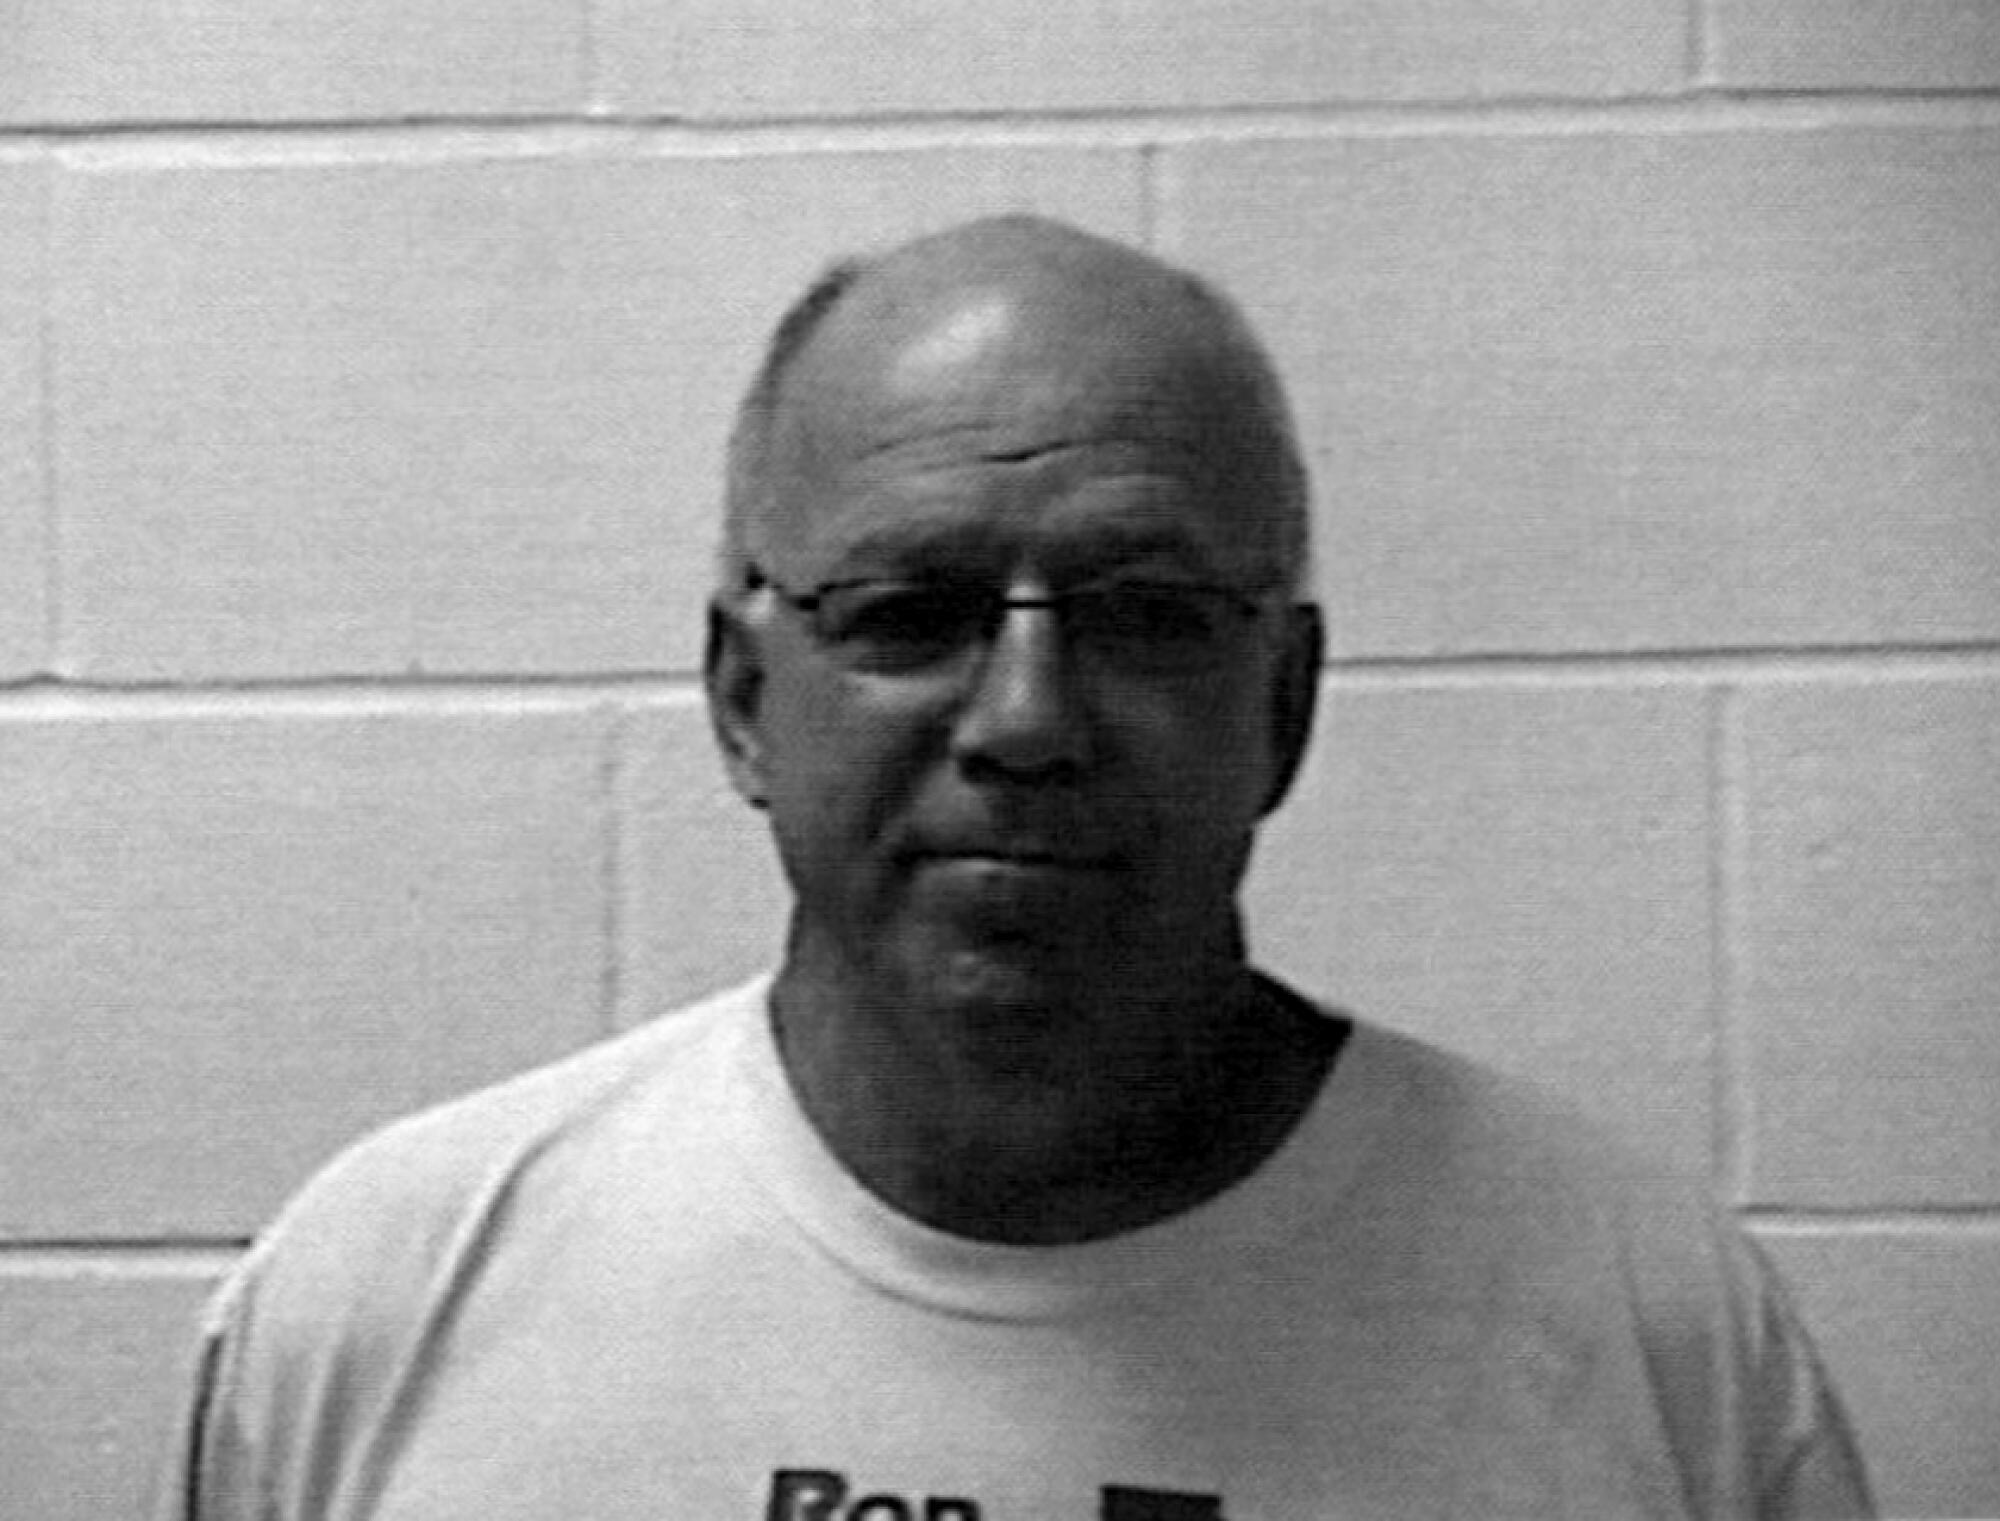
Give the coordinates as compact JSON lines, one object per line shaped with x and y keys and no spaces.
{"x":1032,"y":411}
{"x":1072,"y":510}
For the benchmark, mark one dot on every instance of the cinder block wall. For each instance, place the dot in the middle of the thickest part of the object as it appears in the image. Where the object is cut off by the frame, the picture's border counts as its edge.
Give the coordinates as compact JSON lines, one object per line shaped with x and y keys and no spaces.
{"x":363,"y":371}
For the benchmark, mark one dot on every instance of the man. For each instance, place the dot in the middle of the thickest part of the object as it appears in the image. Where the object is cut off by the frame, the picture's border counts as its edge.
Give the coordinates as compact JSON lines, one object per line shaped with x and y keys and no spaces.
{"x":1015,"y":1194}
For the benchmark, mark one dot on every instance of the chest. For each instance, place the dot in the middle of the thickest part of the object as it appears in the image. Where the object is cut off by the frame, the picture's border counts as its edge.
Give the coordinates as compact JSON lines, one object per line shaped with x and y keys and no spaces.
{"x":777,"y":1390}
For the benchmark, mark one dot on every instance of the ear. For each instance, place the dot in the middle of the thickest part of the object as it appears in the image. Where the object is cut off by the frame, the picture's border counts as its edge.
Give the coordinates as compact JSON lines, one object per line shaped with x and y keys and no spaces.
{"x":1294,"y":697}
{"x":733,"y":675}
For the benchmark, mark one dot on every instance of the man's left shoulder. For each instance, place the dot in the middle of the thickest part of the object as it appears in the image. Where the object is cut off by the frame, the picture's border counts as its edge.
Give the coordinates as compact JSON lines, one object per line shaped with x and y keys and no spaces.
{"x":1505,"y":1130}
{"x":1574,"y":1225}
{"x":1500,"y":1163}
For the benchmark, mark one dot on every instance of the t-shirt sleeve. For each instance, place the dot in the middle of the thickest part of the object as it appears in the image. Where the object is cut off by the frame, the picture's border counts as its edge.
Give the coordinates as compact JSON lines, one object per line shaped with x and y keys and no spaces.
{"x":313,"y":1349}
{"x":201,"y":1479}
{"x":1747,"y":1406}
{"x":1808,"y":1463}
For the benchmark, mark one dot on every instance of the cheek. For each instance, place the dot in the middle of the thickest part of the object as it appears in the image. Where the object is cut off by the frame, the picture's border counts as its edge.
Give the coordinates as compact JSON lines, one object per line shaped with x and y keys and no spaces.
{"x":1214,"y":754}
{"x":840,"y":768}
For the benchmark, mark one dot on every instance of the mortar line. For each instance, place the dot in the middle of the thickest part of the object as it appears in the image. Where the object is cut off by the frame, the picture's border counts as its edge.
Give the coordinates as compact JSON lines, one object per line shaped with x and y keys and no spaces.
{"x":1705,"y":109}
{"x":612,"y":791}
{"x":482,"y":693}
{"x":1149,"y":197}
{"x":113,"y":1258}
{"x":1700,"y":44}
{"x":1744,"y":667}
{"x":590,"y":62}
{"x":54,"y":589}
{"x":1734,"y":1094}
{"x":1746,"y":664}
{"x":1807,"y":1220}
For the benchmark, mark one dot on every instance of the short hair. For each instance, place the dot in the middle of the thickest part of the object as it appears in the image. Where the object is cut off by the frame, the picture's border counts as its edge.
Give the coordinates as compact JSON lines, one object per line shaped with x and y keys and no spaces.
{"x":750,"y":488}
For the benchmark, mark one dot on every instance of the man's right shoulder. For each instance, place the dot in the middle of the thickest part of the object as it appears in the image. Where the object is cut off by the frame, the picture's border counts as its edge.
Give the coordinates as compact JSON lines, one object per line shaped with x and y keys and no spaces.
{"x":396,"y":1206}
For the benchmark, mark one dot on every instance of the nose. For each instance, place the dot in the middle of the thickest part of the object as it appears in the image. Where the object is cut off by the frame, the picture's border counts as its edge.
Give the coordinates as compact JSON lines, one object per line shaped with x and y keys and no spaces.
{"x":1022,"y":716}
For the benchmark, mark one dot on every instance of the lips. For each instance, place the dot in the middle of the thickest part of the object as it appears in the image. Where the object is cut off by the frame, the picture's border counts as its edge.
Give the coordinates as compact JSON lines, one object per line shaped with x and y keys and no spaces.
{"x":1014,"y":893}
{"x":1013,"y":837}
{"x":1022,"y":854}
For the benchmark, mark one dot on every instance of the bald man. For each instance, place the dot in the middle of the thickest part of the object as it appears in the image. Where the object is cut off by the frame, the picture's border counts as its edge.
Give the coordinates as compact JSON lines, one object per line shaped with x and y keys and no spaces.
{"x":1014,"y":1193}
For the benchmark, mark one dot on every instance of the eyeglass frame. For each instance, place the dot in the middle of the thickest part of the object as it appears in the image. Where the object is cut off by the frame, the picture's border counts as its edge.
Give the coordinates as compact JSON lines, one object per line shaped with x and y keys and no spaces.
{"x":1247,"y":605}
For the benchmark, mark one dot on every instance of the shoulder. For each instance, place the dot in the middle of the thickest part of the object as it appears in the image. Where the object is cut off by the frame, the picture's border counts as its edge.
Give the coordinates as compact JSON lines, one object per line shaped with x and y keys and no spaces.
{"x":1490,"y":1173}
{"x":1459,"y":1114}
{"x":392,"y":1211}
{"x":314,"y":1343}
{"x":1505,"y":1158}
{"x":1506,"y":1171}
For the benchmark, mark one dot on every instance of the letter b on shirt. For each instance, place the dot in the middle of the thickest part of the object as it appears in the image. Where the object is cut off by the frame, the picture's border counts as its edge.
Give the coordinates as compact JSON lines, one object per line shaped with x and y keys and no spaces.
{"x":805,"y":1494}
{"x":820,"y":1494}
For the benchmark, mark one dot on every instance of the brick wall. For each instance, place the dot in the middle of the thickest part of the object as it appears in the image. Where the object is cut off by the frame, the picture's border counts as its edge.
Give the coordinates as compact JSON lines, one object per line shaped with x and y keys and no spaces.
{"x":363,"y":371}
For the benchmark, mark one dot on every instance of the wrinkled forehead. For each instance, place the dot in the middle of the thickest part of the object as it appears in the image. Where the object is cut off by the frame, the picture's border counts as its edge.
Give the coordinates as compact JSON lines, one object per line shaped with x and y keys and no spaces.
{"x":935,"y":368}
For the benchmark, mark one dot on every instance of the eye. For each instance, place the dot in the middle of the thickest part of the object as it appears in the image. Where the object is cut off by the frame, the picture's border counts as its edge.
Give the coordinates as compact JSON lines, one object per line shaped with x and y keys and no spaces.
{"x":901,"y":623}
{"x":1156,"y":617}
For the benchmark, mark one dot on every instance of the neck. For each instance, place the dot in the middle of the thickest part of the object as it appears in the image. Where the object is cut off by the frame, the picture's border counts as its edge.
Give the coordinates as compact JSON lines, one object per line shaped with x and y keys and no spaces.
{"x":1046,"y":1123}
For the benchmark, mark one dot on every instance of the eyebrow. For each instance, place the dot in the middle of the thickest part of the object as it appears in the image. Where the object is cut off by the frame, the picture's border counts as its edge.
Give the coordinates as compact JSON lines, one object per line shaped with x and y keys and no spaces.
{"x":900,"y":545}
{"x":944,"y":549}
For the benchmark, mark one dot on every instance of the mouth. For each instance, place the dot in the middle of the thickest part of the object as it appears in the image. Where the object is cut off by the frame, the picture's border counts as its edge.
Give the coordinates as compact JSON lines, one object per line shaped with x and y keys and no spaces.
{"x":1036,"y":856}
{"x":1017,"y":875}
{"x":999,"y":890}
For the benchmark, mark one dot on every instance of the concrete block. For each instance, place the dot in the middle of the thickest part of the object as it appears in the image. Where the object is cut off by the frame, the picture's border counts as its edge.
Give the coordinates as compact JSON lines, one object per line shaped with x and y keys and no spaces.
{"x":73,"y":62}
{"x":93,"y":1362}
{"x":1517,"y":872}
{"x":1909,"y":1322}
{"x":234,"y":941}
{"x":457,"y":416}
{"x":779,"y":58}
{"x":24,"y":507}
{"x":1626,"y":391}
{"x":1854,"y":44}
{"x":705,"y":902}
{"x":1869,"y":942}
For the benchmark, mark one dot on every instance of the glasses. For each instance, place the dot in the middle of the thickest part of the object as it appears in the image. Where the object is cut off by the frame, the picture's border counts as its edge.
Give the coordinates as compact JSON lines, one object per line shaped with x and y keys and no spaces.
{"x":915,"y":626}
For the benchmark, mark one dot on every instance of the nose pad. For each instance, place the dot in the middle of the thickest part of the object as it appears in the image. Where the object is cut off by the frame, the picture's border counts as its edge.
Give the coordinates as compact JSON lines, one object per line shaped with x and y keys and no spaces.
{"x":1022,"y":713}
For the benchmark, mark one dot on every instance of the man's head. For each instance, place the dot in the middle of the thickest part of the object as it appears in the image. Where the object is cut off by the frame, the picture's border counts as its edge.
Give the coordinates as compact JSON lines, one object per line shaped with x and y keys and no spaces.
{"x":1007,"y":642}
{"x":1019,"y":246}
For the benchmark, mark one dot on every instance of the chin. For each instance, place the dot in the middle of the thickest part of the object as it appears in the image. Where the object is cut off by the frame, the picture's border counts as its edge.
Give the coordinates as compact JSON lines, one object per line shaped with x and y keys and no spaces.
{"x":1016,"y":981}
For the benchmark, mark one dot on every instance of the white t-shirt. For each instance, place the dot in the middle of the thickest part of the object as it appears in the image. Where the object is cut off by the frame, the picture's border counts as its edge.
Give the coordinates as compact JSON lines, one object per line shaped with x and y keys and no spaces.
{"x":636,"y":1285}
